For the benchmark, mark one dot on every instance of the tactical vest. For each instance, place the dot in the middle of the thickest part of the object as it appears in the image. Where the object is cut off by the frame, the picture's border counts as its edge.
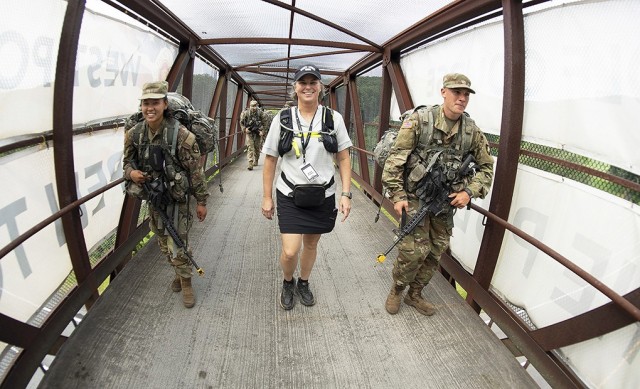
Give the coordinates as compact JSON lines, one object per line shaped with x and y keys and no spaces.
{"x":432,"y":149}
{"x":252,"y":120}
{"x":160,"y":160}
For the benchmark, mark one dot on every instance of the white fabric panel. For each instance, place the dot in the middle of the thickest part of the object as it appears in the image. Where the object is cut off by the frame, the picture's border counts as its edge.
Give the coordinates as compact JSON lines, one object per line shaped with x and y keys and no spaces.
{"x":468,"y":231}
{"x":110,"y":70}
{"x":598,"y":232}
{"x":98,"y":162}
{"x":41,"y":264}
{"x":30,"y":273}
{"x":608,"y":362}
{"x":582,"y":89}
{"x":481,"y":61}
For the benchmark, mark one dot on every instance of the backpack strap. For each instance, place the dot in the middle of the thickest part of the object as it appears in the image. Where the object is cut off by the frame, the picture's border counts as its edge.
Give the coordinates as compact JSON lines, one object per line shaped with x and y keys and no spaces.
{"x":285,"y":141}
{"x":327,"y":119}
{"x":138,"y":134}
{"x":467,"y":135}
{"x":170,"y":137}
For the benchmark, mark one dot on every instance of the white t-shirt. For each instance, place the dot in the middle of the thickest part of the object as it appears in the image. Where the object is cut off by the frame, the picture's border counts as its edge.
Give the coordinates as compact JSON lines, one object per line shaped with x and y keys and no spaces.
{"x":314,"y":154}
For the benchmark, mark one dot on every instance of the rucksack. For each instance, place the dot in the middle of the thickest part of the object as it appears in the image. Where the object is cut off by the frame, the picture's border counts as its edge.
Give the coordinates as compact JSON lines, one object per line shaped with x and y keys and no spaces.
{"x":388,"y":139}
{"x":194,"y":120}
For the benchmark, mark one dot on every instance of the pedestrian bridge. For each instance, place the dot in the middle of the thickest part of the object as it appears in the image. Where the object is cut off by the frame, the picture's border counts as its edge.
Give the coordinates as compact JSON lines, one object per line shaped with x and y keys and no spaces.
{"x":541,"y":285}
{"x":139,"y":335}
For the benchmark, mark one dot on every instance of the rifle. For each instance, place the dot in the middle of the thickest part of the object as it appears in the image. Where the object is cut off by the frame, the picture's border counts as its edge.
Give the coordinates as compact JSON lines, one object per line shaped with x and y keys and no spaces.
{"x":158,"y":198}
{"x":437,"y":205}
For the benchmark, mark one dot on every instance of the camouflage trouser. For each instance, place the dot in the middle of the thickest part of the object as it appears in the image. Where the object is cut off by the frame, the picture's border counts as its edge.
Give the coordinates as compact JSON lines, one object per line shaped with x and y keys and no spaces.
{"x":253,"y":148}
{"x":176,"y":256}
{"x":419,"y":253}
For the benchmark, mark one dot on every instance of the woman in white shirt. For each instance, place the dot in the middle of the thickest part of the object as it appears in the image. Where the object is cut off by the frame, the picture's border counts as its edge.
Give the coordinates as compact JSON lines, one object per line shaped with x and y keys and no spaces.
{"x":307,"y":141}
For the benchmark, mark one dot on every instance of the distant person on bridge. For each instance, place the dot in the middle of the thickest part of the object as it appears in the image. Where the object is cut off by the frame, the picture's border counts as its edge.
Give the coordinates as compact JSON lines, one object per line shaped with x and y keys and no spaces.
{"x":413,"y":157}
{"x":307,"y":137}
{"x":253,"y":122}
{"x":161,"y":153}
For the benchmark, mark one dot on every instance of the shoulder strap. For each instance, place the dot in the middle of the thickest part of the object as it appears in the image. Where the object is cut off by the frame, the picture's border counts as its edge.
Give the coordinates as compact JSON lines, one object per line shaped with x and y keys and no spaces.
{"x":138,"y":134}
{"x":285,"y":117}
{"x":170,"y":137}
{"x":467,"y":134}
{"x":430,"y":121}
{"x":174,"y":138}
{"x":327,"y":119}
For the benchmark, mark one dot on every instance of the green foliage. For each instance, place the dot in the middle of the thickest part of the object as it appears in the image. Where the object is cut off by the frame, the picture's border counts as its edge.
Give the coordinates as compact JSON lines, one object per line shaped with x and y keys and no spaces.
{"x":574,"y":174}
{"x":203,"y":87}
{"x":369,"y":92}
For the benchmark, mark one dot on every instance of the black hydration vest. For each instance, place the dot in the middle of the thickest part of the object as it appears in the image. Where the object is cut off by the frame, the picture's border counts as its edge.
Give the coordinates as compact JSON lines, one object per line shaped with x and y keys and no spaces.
{"x":328,"y":137}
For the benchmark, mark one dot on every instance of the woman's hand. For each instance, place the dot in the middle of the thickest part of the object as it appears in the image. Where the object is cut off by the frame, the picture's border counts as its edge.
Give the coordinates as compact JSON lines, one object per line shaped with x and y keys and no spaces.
{"x":345,"y":207}
{"x":267,"y":207}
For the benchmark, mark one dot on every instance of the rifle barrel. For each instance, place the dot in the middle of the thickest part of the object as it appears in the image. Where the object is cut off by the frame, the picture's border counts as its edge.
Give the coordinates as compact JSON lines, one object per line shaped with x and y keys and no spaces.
{"x":168,"y":225}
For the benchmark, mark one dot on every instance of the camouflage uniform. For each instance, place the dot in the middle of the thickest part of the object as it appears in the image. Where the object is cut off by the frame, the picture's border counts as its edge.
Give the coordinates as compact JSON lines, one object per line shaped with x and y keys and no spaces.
{"x":253,"y":118}
{"x":188,"y":157}
{"x":419,"y":253}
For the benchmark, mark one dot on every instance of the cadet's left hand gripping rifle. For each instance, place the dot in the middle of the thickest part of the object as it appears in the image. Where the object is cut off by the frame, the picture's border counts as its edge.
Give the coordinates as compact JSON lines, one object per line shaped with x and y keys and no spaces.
{"x":439,"y":203}
{"x":157,"y":199}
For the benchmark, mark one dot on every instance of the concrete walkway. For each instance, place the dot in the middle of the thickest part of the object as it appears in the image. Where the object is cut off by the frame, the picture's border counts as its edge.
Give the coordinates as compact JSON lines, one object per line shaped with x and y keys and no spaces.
{"x":138,"y":334}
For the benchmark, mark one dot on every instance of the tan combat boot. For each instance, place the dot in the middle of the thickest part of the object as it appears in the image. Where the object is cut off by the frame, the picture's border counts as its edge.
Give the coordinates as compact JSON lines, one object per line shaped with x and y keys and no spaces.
{"x":175,"y":284}
{"x":188,"y":299}
{"x":393,"y":300}
{"x":414,"y":298}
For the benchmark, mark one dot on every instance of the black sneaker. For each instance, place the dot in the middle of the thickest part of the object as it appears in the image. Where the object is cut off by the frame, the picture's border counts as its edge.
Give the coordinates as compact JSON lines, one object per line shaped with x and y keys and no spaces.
{"x":302,"y":290}
{"x":286,"y":296}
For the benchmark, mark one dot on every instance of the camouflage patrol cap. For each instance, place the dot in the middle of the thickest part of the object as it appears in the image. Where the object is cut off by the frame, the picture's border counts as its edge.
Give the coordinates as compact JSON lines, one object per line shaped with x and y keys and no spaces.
{"x":253,"y":103}
{"x":457,"y":80}
{"x":155,"y":90}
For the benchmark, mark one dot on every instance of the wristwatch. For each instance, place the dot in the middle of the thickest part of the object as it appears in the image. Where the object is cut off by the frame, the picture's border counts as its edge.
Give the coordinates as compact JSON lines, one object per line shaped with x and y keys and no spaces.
{"x":347,"y":194}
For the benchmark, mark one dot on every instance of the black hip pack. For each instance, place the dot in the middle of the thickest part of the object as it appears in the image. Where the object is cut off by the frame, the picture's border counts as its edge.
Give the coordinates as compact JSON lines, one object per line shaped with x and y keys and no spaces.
{"x":308,"y":195}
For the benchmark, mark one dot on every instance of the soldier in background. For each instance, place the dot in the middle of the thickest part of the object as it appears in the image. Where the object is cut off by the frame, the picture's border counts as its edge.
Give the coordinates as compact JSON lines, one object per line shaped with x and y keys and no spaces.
{"x":147,"y":160}
{"x":414,"y":153}
{"x":253,"y":122}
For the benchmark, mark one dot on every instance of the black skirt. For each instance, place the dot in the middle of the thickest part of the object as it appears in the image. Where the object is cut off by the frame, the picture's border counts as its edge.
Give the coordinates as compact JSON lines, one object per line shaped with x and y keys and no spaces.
{"x":295,"y":220}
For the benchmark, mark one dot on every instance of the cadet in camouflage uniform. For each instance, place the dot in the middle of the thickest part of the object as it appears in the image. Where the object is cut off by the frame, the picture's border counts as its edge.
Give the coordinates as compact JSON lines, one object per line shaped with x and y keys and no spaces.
{"x":253,"y":122}
{"x":184,"y":175}
{"x":408,"y":163}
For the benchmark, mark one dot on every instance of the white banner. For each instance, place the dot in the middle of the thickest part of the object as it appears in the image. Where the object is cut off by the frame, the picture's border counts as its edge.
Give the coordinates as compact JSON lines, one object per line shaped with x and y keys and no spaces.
{"x":114,"y":60}
{"x":35,"y":269}
{"x":481,"y":61}
{"x":582,"y":87}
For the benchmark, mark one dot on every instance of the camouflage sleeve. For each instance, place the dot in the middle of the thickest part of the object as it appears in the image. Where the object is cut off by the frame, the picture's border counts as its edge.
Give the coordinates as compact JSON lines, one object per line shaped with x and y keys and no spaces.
{"x":189,"y":156}
{"x":265,"y":122}
{"x":393,"y":173}
{"x":129,"y":154}
{"x":481,"y":182}
{"x":243,"y":119}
